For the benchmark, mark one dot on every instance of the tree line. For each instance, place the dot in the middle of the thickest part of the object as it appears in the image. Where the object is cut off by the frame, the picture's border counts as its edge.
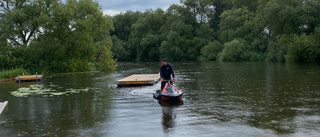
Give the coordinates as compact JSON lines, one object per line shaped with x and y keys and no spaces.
{"x":74,"y":35}
{"x":223,"y":30}
{"x":55,"y":36}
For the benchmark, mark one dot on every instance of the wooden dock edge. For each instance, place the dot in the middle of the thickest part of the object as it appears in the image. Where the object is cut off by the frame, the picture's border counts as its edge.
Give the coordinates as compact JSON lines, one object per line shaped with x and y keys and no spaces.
{"x":3,"y":106}
{"x":29,"y":78}
{"x":137,"y":80}
{"x":120,"y":85}
{"x":137,"y":84}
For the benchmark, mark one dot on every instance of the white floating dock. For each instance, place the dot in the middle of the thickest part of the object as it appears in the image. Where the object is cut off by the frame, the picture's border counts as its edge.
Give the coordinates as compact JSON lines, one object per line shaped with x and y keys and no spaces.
{"x":3,"y":105}
{"x":139,"y":80}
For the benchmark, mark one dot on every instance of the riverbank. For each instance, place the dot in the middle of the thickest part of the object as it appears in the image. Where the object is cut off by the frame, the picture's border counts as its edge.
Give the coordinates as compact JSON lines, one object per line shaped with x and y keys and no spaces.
{"x":242,"y":98}
{"x":10,"y":74}
{"x":7,"y":79}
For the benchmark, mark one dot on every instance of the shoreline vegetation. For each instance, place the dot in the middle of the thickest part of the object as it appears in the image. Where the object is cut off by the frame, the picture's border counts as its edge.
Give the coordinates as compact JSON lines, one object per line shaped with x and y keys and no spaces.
{"x":228,"y":30}
{"x":75,"y":36}
{"x":9,"y":74}
{"x":55,"y":36}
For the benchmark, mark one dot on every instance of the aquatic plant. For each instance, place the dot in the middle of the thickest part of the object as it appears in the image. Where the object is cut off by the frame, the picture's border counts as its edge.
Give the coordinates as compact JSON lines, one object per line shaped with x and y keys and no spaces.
{"x":51,"y":90}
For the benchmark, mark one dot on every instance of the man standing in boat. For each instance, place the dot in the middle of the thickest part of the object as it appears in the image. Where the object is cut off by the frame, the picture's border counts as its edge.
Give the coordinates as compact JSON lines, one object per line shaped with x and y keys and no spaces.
{"x":165,"y":73}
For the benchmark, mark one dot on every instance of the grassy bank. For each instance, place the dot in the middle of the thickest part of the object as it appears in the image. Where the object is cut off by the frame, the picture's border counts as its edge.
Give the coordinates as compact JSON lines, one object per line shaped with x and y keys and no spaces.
{"x":5,"y":74}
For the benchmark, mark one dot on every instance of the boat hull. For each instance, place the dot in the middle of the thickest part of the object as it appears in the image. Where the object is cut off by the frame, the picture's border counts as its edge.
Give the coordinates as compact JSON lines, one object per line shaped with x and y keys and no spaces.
{"x":167,"y":97}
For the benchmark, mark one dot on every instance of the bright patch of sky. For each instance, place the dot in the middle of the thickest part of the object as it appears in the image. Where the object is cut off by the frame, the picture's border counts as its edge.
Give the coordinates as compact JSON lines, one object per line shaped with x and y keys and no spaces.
{"x":113,"y":7}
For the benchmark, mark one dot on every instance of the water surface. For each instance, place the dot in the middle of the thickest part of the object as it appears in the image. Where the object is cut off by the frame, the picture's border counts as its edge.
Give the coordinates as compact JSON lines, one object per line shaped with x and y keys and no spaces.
{"x":221,"y":99}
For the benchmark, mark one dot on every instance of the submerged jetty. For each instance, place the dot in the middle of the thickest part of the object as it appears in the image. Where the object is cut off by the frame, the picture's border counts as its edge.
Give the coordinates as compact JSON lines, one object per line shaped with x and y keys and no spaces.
{"x":139,"y":80}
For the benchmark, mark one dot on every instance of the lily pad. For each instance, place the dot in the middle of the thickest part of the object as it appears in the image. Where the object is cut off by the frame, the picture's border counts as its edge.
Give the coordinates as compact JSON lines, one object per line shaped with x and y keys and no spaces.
{"x":45,"y":91}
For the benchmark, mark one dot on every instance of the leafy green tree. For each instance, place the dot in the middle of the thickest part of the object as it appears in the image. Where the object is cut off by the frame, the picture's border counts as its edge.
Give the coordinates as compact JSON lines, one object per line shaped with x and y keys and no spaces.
{"x":291,"y":16}
{"x":211,"y":51}
{"x":104,"y":57}
{"x":258,"y":48}
{"x":250,"y":4}
{"x":145,"y":35}
{"x":120,"y":49}
{"x":52,"y":36}
{"x":219,"y":7}
{"x":295,"y":48}
{"x":20,"y":24}
{"x":5,"y":54}
{"x":241,"y":23}
{"x":191,"y":7}
{"x":200,"y":9}
{"x":310,"y":16}
{"x":236,"y":23}
{"x":302,"y":49}
{"x":180,"y":12}
{"x":316,"y":38}
{"x":123,"y":22}
{"x":316,"y":35}
{"x":203,"y":35}
{"x":149,"y":49}
{"x":21,"y":21}
{"x":235,"y":50}
{"x":178,"y":43}
{"x":276,"y":52}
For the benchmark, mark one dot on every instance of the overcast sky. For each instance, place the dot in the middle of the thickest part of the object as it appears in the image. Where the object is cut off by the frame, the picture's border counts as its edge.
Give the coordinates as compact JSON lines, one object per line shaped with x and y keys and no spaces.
{"x":112,"y":7}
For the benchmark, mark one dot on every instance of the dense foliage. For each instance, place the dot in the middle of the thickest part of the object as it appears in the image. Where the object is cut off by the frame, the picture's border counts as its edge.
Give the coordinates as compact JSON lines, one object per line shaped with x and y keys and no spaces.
{"x":12,"y":73}
{"x":73,"y":35}
{"x":224,"y":30}
{"x":55,"y":36}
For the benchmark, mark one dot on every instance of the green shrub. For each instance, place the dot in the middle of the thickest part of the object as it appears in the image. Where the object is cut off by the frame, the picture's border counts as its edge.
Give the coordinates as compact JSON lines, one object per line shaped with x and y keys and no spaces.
{"x":257,"y":56}
{"x":12,"y":73}
{"x":210,"y":51}
{"x":302,"y":49}
{"x":104,"y":60}
{"x":294,"y":48}
{"x":235,"y":50}
{"x":276,"y":52}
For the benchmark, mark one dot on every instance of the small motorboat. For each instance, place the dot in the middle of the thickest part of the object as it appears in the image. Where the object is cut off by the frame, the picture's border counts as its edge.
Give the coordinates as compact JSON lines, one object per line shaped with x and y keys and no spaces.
{"x":170,"y":93}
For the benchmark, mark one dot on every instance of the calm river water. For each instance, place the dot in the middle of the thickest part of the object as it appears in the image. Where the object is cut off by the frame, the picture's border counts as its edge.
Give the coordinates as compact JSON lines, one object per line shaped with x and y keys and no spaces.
{"x":221,"y":99}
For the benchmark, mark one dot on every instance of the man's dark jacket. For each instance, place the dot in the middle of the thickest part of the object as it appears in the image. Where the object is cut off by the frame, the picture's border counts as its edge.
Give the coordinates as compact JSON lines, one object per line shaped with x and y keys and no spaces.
{"x":166,"y":71}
